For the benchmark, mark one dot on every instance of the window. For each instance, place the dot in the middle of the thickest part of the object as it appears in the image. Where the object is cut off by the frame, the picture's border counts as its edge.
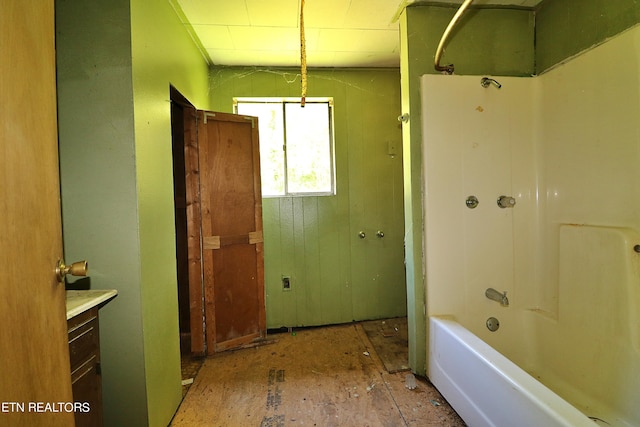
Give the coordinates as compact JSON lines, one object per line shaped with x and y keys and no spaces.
{"x":296,"y":144}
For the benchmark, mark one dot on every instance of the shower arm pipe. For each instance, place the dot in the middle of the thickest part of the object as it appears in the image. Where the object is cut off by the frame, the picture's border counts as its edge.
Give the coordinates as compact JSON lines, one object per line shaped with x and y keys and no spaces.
{"x":449,"y":68}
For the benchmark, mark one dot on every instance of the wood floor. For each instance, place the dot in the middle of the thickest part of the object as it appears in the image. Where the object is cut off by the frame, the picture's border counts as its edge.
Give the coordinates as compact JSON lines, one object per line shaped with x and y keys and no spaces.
{"x":329,"y":376}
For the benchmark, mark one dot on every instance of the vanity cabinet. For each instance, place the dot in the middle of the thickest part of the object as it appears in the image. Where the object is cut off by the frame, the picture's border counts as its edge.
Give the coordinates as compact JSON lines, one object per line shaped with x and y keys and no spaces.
{"x":84,"y":352}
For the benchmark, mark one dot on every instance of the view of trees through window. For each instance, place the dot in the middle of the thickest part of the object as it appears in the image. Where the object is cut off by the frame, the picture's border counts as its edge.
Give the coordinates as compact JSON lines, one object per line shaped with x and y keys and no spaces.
{"x":296,"y":152}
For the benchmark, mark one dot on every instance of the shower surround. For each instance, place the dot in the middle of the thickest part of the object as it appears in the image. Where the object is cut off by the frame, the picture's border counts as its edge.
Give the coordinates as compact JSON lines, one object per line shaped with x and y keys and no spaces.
{"x":566,"y":146}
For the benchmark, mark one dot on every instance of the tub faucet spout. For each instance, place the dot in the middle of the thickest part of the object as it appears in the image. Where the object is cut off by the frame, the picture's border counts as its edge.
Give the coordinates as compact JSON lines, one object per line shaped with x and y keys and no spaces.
{"x":494,"y":295}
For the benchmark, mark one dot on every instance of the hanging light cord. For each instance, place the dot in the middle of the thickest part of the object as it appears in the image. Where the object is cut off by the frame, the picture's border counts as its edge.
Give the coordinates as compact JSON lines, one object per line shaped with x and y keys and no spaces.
{"x":303,"y":56}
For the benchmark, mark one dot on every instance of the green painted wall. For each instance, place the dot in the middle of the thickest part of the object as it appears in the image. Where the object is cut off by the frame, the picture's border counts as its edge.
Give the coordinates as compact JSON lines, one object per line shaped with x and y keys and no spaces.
{"x":117,"y":193}
{"x":412,"y":177}
{"x":335,"y":276}
{"x":565,"y":28}
{"x":487,"y":41}
{"x":163,"y":55}
{"x":98,"y":185}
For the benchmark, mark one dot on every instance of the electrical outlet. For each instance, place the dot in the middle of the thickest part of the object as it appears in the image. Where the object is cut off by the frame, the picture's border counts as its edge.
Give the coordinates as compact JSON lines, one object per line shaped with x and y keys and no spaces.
{"x":286,"y":283}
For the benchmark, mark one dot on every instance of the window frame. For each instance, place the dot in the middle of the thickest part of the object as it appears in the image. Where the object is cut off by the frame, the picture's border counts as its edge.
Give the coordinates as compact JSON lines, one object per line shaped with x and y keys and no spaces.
{"x":293,"y":100}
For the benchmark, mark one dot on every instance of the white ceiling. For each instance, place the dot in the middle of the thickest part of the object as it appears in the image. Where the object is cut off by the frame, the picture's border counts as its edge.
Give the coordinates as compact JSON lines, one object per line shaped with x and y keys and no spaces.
{"x":339,"y":33}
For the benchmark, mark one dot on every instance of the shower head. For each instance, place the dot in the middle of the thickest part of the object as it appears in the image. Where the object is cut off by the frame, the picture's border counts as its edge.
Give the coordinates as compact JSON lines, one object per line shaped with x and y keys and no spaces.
{"x":486,"y":81}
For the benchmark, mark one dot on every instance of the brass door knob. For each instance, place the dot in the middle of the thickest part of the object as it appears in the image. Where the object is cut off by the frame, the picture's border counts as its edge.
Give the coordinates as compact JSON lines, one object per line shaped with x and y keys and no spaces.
{"x":80,"y":268}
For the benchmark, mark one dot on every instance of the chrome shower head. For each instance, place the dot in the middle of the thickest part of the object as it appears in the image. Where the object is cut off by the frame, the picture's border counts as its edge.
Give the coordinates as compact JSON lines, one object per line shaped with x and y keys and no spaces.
{"x":486,"y":81}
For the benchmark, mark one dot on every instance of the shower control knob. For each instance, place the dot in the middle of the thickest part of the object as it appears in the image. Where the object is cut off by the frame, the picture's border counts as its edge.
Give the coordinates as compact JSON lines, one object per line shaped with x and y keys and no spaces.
{"x":471,"y":202}
{"x":506,"y":202}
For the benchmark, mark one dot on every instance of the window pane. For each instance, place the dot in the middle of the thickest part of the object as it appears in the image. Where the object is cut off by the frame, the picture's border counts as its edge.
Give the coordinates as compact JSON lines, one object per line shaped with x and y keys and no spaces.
{"x":270,"y":127}
{"x":308,"y":148}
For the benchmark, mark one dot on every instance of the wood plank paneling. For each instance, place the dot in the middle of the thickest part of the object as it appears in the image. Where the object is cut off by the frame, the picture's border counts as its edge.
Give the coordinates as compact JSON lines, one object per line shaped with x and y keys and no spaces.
{"x":282,"y":304}
{"x":335,"y":267}
{"x":375,"y":207}
{"x":335,"y":277}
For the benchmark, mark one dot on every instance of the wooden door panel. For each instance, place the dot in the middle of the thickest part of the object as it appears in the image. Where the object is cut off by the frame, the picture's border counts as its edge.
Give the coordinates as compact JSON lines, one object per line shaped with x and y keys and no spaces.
{"x":34,"y":352}
{"x":235,"y":282}
{"x":231,"y":227}
{"x":231,"y":178}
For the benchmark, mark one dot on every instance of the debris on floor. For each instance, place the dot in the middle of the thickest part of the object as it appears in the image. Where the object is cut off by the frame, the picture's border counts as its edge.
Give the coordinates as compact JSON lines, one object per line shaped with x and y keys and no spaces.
{"x":410,"y":382}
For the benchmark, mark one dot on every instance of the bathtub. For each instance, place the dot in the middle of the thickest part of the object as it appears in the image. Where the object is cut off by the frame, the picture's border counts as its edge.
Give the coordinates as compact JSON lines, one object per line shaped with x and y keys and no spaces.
{"x":486,"y":388}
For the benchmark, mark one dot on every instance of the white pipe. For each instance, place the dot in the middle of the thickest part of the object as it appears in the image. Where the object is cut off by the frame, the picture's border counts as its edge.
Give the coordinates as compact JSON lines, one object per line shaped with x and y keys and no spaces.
{"x":449,"y":68}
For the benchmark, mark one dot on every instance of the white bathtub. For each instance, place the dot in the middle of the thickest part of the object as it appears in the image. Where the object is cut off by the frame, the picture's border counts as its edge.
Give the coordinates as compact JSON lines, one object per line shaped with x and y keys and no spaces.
{"x":486,"y":388}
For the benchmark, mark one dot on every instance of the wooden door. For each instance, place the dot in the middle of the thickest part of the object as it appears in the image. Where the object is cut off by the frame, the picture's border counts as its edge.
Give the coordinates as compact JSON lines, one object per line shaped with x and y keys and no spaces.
{"x":34,"y":354}
{"x":231,"y":229}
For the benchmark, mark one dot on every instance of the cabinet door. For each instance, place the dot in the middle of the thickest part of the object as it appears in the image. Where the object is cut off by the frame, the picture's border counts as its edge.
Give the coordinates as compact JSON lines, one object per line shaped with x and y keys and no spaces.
{"x":86,"y":390}
{"x":34,"y":365}
{"x":376,"y":208}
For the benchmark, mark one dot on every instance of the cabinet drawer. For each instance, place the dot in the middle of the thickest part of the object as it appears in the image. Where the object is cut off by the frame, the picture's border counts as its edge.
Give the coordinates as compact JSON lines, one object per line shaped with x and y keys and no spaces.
{"x":83,"y":339}
{"x":84,"y":355}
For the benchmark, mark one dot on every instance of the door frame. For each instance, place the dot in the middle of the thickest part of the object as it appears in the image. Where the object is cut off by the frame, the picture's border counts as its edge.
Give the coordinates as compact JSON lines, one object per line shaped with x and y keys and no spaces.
{"x":183,"y":133}
{"x":186,"y":185}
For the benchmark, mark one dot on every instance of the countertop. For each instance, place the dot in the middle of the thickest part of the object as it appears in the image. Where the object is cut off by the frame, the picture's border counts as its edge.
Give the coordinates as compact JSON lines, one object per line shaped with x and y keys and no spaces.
{"x":81,"y":301}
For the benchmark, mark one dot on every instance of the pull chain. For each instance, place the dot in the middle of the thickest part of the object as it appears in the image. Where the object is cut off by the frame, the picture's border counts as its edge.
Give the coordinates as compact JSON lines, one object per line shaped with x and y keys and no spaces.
{"x":303,"y":56}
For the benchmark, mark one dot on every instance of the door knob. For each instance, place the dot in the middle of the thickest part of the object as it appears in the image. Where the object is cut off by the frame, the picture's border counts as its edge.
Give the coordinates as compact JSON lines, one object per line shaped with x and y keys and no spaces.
{"x":380,"y":234}
{"x":80,"y":268}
